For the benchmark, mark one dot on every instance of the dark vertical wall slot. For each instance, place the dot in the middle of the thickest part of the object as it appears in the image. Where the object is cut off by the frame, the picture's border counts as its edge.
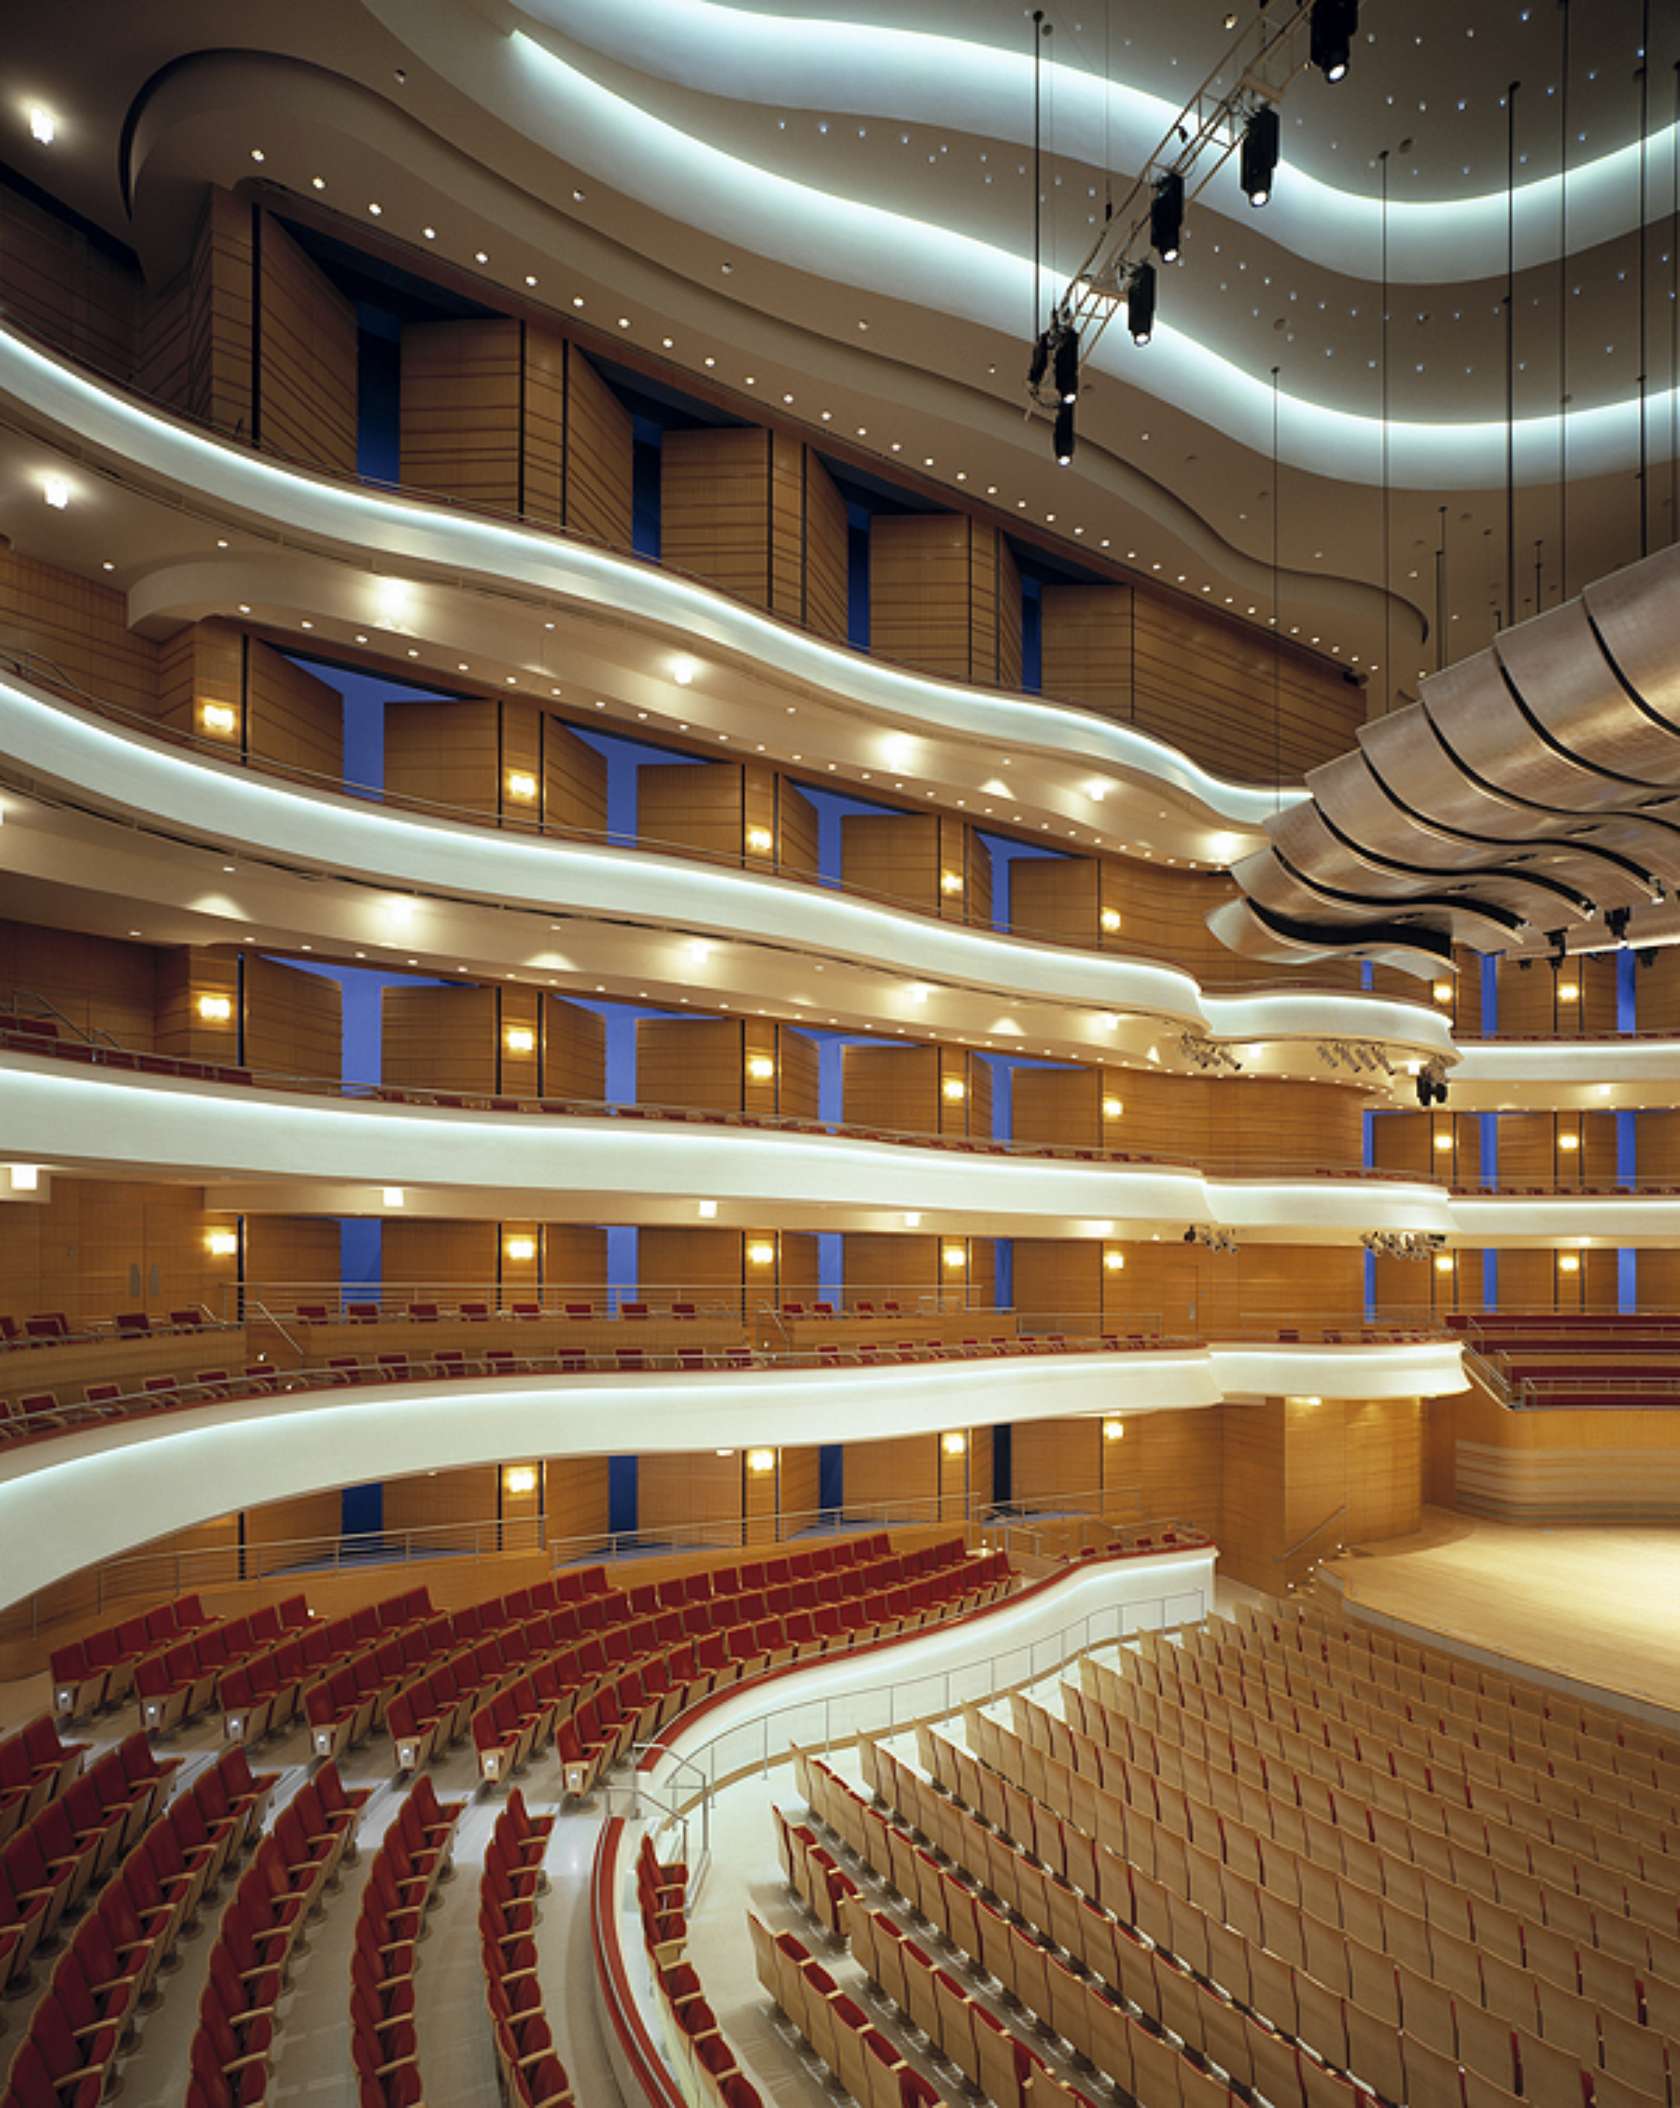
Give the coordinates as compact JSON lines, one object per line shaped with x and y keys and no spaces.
{"x":378,"y":393}
{"x":645,"y":454}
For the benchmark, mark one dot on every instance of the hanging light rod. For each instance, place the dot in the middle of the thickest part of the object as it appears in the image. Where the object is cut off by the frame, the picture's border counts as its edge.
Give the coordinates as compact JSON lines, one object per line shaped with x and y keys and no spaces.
{"x":1116,"y":272}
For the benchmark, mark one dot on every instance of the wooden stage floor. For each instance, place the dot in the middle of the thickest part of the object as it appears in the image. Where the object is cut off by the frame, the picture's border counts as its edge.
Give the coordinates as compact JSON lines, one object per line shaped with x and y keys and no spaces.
{"x":1598,"y":1605}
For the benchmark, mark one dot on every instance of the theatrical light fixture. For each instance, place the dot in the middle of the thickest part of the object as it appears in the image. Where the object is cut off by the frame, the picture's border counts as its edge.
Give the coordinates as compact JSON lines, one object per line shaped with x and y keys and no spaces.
{"x":1140,"y":303}
{"x":1066,"y":363}
{"x":1039,"y":364}
{"x":1166,"y":215}
{"x":215,"y":1009}
{"x":1261,"y":142}
{"x":1064,"y":440}
{"x":1334,"y":25}
{"x":760,"y":1462}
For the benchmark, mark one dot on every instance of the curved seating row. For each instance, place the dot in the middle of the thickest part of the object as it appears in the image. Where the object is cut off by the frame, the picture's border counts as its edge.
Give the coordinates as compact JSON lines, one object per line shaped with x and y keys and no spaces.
{"x":709,"y":2071}
{"x":532,"y":2074}
{"x":414,"y":1857}
{"x":106,"y":1974}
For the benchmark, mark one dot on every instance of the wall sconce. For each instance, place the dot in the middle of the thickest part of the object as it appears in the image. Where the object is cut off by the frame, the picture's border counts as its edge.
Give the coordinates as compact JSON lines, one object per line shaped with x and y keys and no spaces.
{"x":519,"y":1478}
{"x":520,"y":1039}
{"x":1443,"y":1141}
{"x":1114,"y":1262}
{"x":1114,"y":1430}
{"x":1109,"y":920}
{"x":1569,"y":991}
{"x":393,"y":1196}
{"x":24,"y":1178}
{"x":215,"y":1009}
{"x":950,"y":882}
{"x":761,"y":1254}
{"x":760,"y":1462}
{"x":954,"y":1444}
{"x":1442,"y":991}
{"x":221,"y":1244}
{"x":1569,"y":1262}
{"x":1444,"y":1262}
{"x":522,"y":1249}
{"x":1569,"y":1142}
{"x":760,"y":1068}
{"x":220,"y":718}
{"x":760,"y":840}
{"x":1112,"y":1108}
{"x":521,"y":784}
{"x":953,"y":1090}
{"x":953,"y":1257}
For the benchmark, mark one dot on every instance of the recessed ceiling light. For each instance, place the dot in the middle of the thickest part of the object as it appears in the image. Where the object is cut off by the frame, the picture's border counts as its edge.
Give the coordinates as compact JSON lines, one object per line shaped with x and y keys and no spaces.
{"x":624,"y":321}
{"x":577,"y":300}
{"x":666,"y":341}
{"x":530,"y":278}
{"x":257,"y":154}
{"x":221,"y":541}
{"x":711,"y":362}
{"x":577,"y":197}
{"x":481,"y":255}
{"x":107,"y":565}
{"x":43,"y":125}
{"x":317,"y":182}
{"x":376,"y":210}
{"x":430,"y":233}
{"x":244,"y":607}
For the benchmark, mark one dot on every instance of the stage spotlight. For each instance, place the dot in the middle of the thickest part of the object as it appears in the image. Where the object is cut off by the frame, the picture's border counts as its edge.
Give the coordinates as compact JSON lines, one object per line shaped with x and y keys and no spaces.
{"x":1334,"y":25}
{"x":1260,"y":146}
{"x":1065,"y":441}
{"x":1140,"y":303}
{"x":1039,"y":364}
{"x":1166,"y":215}
{"x":1067,"y":364}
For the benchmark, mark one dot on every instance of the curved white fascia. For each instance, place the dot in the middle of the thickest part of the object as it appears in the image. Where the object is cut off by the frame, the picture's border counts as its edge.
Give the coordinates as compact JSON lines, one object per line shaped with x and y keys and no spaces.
{"x":1573,"y":1219}
{"x":855,"y":243}
{"x":92,"y":1495}
{"x":513,"y":1164}
{"x":872,"y":69}
{"x":240,"y":807}
{"x":408,"y":530}
{"x":1576,"y":1074}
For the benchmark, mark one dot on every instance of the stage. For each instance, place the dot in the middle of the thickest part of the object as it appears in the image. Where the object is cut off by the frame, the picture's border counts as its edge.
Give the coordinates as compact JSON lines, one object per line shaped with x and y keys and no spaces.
{"x":1590,"y":1605}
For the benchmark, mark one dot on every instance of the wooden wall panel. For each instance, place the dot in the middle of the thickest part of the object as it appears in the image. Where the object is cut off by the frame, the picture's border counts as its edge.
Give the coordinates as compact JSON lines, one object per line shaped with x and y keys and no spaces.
{"x":692,"y":805}
{"x":432,"y":1500}
{"x":895,"y":856}
{"x":445,"y":753}
{"x":1254,"y":1493}
{"x":61,"y":283}
{"x":290,"y":716}
{"x":1051,"y":1457}
{"x":798,"y":1074}
{"x":1534,"y":998}
{"x":598,"y":459}
{"x":574,"y":781}
{"x":461,"y":411}
{"x":205,"y":663}
{"x":697,"y":1487}
{"x":428,"y":1254}
{"x":1060,"y":1107}
{"x":701,"y":1265}
{"x":97,"y":1246}
{"x":796,"y":829}
{"x":440,"y":1039}
{"x":891,"y":1087}
{"x":293,"y":1020}
{"x":219,"y":367}
{"x":827,"y":553}
{"x":800,"y":1480}
{"x":306,"y":357}
{"x":575,"y":1492}
{"x":574,"y":1051}
{"x":886,"y":1475}
{"x":98,"y":984}
{"x":574,"y":1255}
{"x":875,"y":1264}
{"x":1232,"y":701}
{"x":787,"y":527}
{"x":79,"y":628}
{"x":691,"y":1062}
{"x":1261,"y":1122}
{"x":945,"y":596}
{"x":1058,"y":1284}
{"x":298,"y":1251}
{"x":1555,"y":1466}
{"x":715,"y":508}
{"x":182,"y":975}
{"x":1086,"y":646}
{"x":1056,"y":899}
{"x":1168,"y":1116}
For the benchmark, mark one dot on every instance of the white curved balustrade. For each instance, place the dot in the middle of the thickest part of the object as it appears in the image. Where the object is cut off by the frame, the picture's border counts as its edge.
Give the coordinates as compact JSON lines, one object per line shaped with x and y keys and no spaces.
{"x":91,"y":1495}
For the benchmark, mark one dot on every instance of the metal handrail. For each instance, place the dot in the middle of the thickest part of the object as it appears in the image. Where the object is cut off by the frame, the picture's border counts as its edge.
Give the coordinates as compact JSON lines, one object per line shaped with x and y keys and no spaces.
{"x":87,"y":1035}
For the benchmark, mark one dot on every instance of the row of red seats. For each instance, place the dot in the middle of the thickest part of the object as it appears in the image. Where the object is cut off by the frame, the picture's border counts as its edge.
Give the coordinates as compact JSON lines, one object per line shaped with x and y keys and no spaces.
{"x":706,"y":2065}
{"x":98,"y":1669}
{"x":412,"y":1860}
{"x":35,"y":1768}
{"x":314,"y":1834}
{"x":653,"y":1674}
{"x":53,"y":1328}
{"x":532,"y":2073}
{"x":107,"y":1973}
{"x":85,"y":1822}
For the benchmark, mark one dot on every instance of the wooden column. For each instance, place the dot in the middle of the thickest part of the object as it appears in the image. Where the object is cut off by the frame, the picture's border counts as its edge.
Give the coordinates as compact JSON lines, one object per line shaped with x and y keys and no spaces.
{"x":945,"y":596}
{"x":757,"y":514}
